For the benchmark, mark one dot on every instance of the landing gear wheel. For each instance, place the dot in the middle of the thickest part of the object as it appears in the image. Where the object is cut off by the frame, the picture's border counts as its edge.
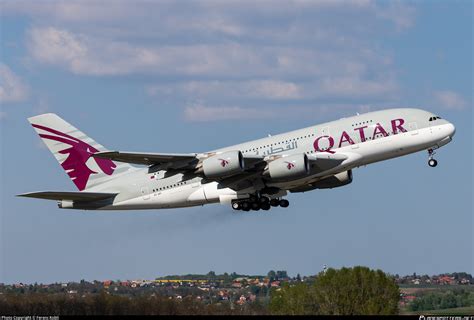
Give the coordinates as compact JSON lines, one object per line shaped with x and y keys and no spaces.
{"x":274,"y":202}
{"x":432,"y":163}
{"x":245,"y":206}
{"x":263,"y":200}
{"x":284,"y":203}
{"x":255,"y":206}
{"x":236,"y":206}
{"x":253,"y":198}
{"x":265,"y":206}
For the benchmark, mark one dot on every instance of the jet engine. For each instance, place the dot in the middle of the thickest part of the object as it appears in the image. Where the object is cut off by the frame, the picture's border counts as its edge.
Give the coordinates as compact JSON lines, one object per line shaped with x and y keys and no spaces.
{"x":288,"y":168}
{"x":223,"y":164}
{"x":337,"y":180}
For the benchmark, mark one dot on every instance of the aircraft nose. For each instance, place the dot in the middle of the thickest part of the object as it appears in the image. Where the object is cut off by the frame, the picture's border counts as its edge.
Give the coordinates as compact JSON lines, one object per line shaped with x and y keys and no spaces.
{"x":451,"y":129}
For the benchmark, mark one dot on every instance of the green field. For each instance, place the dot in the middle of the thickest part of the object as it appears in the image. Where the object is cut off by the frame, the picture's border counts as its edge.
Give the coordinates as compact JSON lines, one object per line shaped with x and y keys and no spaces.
{"x":452,"y":312}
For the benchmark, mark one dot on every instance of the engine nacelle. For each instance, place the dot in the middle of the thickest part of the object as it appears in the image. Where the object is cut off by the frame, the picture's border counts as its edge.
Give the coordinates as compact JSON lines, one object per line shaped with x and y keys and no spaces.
{"x":337,"y":180}
{"x":223,"y":164}
{"x":65,"y":204}
{"x":289,"y":168}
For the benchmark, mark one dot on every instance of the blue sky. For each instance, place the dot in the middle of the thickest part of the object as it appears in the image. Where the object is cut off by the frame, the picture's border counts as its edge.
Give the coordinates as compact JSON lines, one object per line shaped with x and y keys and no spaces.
{"x":195,"y":76}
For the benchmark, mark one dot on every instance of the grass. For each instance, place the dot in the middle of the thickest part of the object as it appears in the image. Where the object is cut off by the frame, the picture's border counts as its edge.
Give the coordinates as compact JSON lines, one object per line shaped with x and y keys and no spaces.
{"x":462,"y":311}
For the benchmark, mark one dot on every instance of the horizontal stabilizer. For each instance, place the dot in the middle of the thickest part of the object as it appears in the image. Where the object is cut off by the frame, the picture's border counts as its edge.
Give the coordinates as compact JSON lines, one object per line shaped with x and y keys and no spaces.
{"x":65,"y":195}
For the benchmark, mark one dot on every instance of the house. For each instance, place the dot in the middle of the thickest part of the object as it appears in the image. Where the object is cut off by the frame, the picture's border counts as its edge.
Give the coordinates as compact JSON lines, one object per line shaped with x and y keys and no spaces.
{"x":446,"y":280}
{"x":241,"y":300}
{"x":223,"y":295}
{"x":407,"y":299}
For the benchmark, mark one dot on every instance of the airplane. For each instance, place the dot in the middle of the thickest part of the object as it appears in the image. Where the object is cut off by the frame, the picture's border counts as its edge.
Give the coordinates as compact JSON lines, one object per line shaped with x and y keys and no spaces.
{"x":254,"y":175}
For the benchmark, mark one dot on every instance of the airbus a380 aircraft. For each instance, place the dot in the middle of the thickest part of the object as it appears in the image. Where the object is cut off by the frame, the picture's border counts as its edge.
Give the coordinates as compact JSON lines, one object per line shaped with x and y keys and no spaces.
{"x":249,"y":176}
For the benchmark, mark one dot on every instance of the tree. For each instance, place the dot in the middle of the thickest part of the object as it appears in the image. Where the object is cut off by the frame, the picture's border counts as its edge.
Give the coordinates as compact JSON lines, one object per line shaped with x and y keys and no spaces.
{"x":357,"y":290}
{"x":281,"y":274}
{"x":293,"y":300}
{"x":271,"y":275}
{"x":348,"y":291}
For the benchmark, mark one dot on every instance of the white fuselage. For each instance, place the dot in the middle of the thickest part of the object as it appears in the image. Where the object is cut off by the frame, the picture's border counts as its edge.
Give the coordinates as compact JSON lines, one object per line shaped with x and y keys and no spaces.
{"x":362,"y":139}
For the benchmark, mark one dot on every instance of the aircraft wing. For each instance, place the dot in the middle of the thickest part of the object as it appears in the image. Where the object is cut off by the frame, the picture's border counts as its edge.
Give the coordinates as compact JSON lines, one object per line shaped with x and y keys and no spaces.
{"x":164,"y":160}
{"x":169,"y":160}
{"x":255,"y":164}
{"x":65,"y":195}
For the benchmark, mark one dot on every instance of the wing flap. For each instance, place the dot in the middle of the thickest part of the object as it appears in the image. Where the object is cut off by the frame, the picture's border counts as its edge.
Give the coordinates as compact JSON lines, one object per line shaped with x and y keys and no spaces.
{"x":165,"y":160}
{"x":65,"y":195}
{"x":173,"y":159}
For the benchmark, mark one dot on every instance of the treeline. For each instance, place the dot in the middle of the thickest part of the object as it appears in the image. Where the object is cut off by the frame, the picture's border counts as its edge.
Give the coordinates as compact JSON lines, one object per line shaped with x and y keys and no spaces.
{"x":211,"y":275}
{"x":107,"y":304}
{"x":443,"y":300}
{"x":347,"y":291}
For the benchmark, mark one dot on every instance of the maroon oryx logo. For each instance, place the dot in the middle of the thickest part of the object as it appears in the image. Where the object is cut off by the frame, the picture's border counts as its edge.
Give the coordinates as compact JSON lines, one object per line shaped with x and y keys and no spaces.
{"x":224,"y":162}
{"x":289,"y":165}
{"x":78,"y":155}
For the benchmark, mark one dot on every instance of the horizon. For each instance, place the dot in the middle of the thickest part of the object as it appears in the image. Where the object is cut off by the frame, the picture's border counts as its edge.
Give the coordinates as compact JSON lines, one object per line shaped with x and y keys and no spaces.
{"x":236,"y":275}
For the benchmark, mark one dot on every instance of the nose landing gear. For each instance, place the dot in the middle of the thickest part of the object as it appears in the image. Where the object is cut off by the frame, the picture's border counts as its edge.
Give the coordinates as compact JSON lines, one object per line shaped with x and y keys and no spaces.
{"x":431,"y":161}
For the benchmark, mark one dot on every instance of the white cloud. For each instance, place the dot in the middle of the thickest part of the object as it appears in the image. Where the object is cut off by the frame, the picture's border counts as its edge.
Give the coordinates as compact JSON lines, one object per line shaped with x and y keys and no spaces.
{"x":230,"y":89}
{"x":201,"y":113}
{"x":399,"y":13}
{"x":82,"y":55}
{"x":12,"y":88}
{"x":221,"y":51}
{"x":450,"y":100}
{"x":356,"y":87}
{"x":276,"y":89}
{"x":198,"y":112}
{"x":53,"y":46}
{"x":238,"y":90}
{"x":87,"y":55}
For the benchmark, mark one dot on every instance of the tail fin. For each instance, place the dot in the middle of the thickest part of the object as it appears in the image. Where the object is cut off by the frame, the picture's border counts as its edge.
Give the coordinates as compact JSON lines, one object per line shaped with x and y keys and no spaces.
{"x":74,"y":150}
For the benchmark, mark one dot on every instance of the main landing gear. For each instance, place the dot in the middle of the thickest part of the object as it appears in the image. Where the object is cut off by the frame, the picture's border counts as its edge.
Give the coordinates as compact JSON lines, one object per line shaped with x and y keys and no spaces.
{"x":431,"y":161}
{"x":259,"y":203}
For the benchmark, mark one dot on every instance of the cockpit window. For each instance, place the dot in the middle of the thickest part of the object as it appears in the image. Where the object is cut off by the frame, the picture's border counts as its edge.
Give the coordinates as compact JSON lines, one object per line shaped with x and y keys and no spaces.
{"x":434,"y":118}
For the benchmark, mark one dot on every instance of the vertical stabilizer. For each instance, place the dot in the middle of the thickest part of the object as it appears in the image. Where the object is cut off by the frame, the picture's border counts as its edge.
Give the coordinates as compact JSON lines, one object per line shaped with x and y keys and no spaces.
{"x":74,"y":150}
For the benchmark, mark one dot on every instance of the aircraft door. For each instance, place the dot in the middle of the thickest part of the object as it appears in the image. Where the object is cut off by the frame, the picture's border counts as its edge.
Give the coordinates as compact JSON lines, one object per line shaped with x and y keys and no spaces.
{"x":145,"y":193}
{"x":413,"y":128}
{"x":325,"y":131}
